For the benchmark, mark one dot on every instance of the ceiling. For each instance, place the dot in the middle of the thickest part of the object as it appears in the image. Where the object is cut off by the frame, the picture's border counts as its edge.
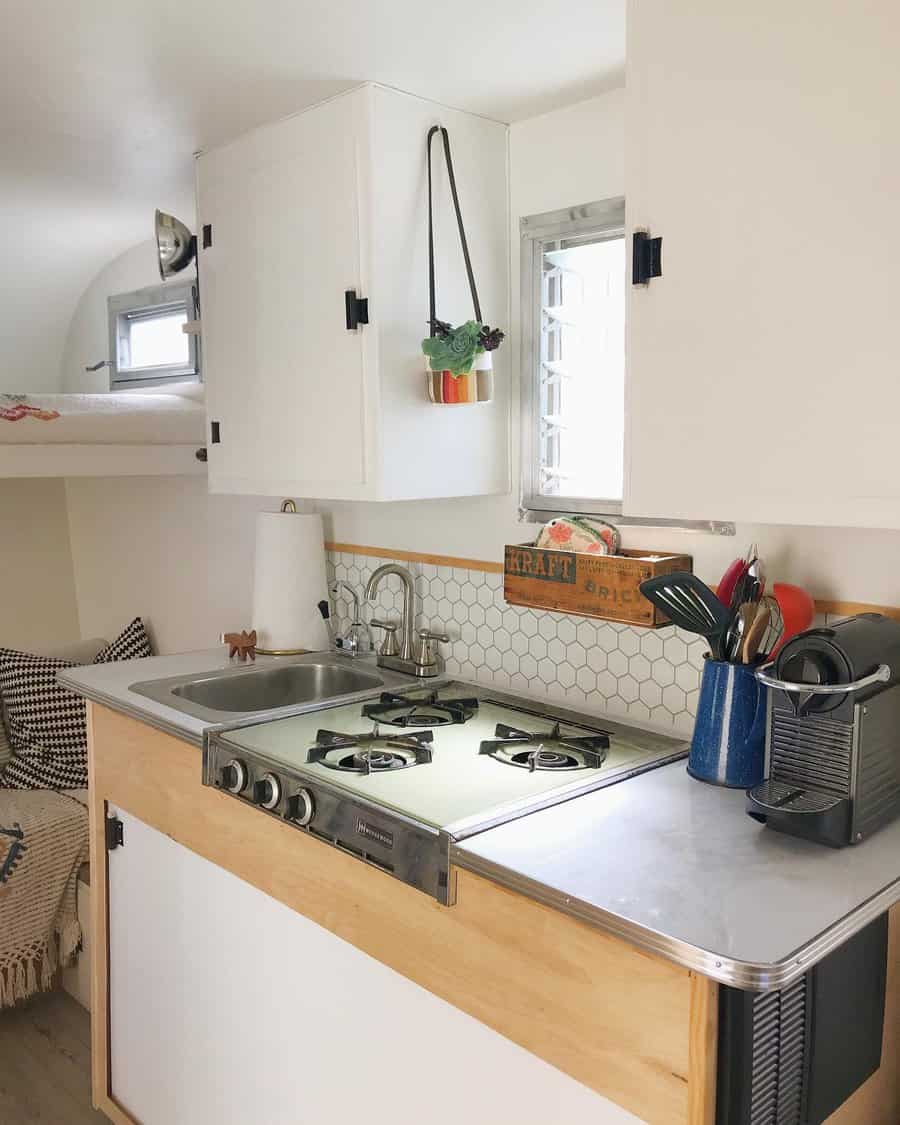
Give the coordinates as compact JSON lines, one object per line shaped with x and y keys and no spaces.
{"x":102,"y":106}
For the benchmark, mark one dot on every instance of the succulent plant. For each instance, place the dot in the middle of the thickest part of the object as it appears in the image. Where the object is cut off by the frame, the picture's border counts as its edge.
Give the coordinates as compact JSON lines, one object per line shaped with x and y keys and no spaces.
{"x":454,"y":349}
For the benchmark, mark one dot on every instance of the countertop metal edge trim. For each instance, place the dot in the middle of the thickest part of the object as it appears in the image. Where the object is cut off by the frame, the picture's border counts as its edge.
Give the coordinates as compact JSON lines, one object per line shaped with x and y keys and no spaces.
{"x":115,"y":703}
{"x":747,"y":975}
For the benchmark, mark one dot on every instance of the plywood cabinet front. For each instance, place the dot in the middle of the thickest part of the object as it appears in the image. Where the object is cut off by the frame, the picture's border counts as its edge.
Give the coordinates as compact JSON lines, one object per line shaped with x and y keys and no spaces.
{"x":298,"y":213}
{"x":763,"y":363}
{"x":238,"y":935}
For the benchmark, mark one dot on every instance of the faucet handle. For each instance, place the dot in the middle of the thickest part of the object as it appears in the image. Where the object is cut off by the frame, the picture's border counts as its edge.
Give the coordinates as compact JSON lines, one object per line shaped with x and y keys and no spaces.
{"x":389,"y":644}
{"x":428,"y":635}
{"x":427,"y":657}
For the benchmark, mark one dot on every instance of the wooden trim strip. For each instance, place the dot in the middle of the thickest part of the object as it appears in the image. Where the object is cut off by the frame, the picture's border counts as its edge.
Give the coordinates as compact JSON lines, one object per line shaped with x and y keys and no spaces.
{"x":848,"y":609}
{"x":703,"y":1035}
{"x":823,"y":605}
{"x":416,"y":556}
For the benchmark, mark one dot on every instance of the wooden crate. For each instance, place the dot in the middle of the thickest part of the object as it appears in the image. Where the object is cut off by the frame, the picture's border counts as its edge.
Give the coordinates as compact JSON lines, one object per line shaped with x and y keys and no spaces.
{"x":605,"y":586}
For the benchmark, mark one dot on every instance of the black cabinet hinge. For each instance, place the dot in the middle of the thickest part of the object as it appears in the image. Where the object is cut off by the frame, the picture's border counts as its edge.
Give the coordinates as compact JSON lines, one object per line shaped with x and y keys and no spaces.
{"x":207,"y":235}
{"x":215,"y":435}
{"x":646,"y":258}
{"x":357,"y":310}
{"x":115,"y":833}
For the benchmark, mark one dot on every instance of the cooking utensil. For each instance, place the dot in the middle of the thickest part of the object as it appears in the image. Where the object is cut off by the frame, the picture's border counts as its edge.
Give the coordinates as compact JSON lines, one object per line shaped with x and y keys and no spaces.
{"x":691,"y":605}
{"x":738,"y":629}
{"x":729,"y":580}
{"x":755,"y":634}
{"x":776,"y":625}
{"x":750,"y":584}
{"x":798,"y":611}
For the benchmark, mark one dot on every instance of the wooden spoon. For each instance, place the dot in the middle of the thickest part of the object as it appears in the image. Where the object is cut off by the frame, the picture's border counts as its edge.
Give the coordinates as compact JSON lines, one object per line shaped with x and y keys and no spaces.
{"x":754,"y":636}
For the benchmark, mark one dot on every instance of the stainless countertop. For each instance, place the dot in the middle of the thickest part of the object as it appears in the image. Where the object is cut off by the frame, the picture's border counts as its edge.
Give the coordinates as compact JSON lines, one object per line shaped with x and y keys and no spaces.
{"x":110,"y":685}
{"x":677,"y":868}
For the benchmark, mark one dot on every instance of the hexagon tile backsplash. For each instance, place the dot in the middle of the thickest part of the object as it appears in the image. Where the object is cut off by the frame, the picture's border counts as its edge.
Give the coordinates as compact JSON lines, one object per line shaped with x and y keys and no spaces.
{"x":645,"y":675}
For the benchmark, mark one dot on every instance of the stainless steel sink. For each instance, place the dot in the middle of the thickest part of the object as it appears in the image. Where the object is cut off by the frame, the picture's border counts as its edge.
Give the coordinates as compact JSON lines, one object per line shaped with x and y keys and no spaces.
{"x":273,"y":687}
{"x":268,"y":688}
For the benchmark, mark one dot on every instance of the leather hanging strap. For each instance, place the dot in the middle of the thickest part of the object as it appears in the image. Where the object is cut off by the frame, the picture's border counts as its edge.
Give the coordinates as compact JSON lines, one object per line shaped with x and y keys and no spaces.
{"x":432,"y":314}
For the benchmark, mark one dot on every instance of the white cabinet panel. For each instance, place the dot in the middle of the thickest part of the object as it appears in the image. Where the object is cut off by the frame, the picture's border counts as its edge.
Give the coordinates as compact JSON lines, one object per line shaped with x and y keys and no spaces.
{"x":303,"y":210}
{"x":765,"y":148}
{"x":285,"y":379}
{"x":227,"y":1007}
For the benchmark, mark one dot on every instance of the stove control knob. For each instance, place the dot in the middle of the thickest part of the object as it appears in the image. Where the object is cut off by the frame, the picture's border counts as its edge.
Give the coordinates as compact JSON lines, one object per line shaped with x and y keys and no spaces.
{"x":267,"y":791}
{"x":234,"y":776}
{"x":301,"y":808}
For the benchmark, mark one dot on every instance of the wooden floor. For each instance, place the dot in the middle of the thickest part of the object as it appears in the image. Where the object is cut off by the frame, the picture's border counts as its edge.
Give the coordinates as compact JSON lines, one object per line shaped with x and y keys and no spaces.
{"x":45,"y":1063}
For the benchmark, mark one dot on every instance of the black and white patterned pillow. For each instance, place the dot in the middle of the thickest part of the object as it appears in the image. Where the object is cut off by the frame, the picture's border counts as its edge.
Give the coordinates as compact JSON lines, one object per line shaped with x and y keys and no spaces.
{"x":131,"y":644}
{"x":47,"y":723}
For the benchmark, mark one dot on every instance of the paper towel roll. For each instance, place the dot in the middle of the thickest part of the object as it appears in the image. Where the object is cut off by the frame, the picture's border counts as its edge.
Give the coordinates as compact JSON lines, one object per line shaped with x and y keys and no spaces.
{"x":289,"y":582}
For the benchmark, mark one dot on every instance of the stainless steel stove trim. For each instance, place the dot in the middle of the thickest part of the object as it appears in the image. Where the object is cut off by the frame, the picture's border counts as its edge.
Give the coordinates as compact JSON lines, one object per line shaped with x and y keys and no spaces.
{"x":751,"y":976}
{"x":415,"y":853}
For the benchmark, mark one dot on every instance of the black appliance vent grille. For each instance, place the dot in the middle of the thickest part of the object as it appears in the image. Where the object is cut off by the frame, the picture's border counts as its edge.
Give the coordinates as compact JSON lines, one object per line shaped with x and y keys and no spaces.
{"x":811,"y":752}
{"x":779,"y":1055}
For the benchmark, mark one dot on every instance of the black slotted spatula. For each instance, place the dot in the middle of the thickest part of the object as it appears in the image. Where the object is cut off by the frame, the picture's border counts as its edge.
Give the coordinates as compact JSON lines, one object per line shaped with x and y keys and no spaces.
{"x":691,"y":605}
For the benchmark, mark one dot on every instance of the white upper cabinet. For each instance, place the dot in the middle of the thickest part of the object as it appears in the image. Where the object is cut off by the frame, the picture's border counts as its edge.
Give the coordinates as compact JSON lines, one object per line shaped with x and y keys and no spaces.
{"x":299,"y":212}
{"x":764,"y":364}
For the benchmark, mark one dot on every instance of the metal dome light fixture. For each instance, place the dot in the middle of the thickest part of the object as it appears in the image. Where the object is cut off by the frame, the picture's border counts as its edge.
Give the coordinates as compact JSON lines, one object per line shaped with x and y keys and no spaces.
{"x":176,"y":247}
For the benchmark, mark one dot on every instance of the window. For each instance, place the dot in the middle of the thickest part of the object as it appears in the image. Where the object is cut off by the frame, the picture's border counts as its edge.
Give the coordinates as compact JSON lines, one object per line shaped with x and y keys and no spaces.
{"x":148,"y":346}
{"x":573,"y":316}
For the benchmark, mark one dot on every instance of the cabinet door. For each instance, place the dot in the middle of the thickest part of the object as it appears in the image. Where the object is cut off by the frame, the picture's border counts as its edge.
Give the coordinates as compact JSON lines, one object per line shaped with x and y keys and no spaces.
{"x":285,"y":378}
{"x":762,"y":145}
{"x":227,"y":1007}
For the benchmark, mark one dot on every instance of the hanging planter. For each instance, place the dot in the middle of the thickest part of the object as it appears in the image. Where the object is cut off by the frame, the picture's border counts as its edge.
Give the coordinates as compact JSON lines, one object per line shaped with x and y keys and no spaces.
{"x":458,"y":363}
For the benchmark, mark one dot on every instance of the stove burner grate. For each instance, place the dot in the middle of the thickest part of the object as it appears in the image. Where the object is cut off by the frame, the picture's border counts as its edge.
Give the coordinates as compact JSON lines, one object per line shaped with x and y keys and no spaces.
{"x":371,"y":753}
{"x":422,"y":711}
{"x":552,"y":750}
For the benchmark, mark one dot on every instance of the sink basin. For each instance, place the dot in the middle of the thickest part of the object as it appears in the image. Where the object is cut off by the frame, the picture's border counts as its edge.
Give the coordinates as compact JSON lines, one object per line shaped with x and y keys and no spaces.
{"x":269,"y":688}
{"x":225,"y":695}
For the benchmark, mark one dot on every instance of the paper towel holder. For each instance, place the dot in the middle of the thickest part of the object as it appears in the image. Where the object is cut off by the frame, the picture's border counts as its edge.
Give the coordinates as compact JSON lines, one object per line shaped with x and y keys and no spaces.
{"x":291,"y":507}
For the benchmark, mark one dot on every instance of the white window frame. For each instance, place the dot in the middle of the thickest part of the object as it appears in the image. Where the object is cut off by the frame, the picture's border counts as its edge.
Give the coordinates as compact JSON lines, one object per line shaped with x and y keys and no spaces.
{"x":152,"y":300}
{"x":594,"y":221}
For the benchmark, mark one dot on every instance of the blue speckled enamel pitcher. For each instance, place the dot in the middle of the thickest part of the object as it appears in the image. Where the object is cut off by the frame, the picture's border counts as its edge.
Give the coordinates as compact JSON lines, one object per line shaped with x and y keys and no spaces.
{"x":728,"y":747}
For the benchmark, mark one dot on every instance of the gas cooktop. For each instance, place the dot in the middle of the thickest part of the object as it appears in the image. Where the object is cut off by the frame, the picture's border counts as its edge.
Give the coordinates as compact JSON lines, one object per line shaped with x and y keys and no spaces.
{"x":395,"y":779}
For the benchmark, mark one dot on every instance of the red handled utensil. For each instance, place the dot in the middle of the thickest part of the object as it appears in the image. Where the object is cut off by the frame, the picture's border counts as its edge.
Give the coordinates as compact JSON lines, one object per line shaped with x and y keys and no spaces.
{"x":798,"y":611}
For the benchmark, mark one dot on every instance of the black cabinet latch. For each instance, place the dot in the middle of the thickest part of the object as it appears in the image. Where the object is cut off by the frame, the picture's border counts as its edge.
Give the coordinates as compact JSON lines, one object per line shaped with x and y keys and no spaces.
{"x":357,"y":310}
{"x":115,"y":833}
{"x":646,"y":258}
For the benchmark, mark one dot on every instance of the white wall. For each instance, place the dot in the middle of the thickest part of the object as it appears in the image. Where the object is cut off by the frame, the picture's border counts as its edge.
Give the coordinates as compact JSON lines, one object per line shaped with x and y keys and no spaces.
{"x":37,"y":607}
{"x":87,"y":340}
{"x":162,"y":548}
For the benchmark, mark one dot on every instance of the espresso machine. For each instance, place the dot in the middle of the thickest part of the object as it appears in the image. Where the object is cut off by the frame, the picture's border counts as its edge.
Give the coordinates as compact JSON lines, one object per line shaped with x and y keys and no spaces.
{"x":833,"y":732}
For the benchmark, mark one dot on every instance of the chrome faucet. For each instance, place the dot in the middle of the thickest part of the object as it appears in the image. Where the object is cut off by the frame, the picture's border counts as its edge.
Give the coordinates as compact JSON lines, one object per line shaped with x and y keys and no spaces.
{"x":417,"y":659}
{"x":356,"y":639}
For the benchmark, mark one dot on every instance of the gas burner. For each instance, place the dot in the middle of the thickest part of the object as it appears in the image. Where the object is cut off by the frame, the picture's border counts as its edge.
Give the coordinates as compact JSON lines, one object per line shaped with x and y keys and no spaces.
{"x":371,"y":753}
{"x":551,"y":751}
{"x":420,"y":711}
